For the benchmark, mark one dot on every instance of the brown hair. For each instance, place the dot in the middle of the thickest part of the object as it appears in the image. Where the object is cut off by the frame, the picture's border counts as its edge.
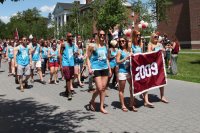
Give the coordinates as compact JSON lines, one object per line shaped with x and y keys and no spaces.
{"x":134,"y":37}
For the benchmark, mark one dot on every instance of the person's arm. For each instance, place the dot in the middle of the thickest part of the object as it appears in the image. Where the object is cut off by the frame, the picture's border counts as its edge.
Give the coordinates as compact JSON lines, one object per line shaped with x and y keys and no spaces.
{"x":149,"y":48}
{"x":62,"y":47}
{"x":7,"y":53}
{"x":89,"y":53}
{"x":108,"y":63}
{"x":15,"y":54}
{"x":118,"y":58}
{"x":30,"y":56}
{"x":49,"y":55}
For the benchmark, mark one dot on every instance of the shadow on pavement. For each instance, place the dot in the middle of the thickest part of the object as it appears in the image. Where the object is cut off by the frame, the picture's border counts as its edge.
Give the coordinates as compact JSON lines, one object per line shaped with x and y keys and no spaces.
{"x":28,"y":116}
{"x":154,"y":98}
{"x":2,"y":70}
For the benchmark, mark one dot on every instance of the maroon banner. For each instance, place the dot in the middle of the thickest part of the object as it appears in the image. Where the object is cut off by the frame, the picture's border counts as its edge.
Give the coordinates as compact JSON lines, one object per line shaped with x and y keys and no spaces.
{"x":148,"y":71}
{"x":16,"y":35}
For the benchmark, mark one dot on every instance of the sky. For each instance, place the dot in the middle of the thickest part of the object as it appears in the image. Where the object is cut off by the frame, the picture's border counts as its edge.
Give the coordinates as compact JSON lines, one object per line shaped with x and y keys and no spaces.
{"x":10,"y":8}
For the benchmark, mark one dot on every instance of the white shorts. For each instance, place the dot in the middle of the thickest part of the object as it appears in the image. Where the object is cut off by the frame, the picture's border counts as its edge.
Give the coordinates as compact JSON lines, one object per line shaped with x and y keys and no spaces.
{"x":124,"y":76}
{"x":36,"y":64}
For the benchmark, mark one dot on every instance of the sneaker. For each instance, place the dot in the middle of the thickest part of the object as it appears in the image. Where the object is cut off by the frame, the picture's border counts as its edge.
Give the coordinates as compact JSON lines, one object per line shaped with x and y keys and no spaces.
{"x":43,"y":82}
{"x":69,"y":96}
{"x":56,"y":82}
{"x":26,"y":84}
{"x":32,"y":80}
{"x":16,"y":80}
{"x":116,"y":85}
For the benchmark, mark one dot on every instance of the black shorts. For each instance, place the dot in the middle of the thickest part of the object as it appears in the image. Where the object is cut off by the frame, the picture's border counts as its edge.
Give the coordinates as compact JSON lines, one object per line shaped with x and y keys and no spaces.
{"x":103,"y":72}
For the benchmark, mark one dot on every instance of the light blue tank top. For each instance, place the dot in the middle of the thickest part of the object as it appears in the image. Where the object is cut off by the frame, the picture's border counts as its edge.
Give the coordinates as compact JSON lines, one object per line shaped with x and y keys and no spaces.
{"x":44,"y":52}
{"x":23,"y":56}
{"x":158,"y":47}
{"x":54,"y":58}
{"x":68,"y":55}
{"x":113,"y":62}
{"x":10,"y":52}
{"x":136,"y":49}
{"x":36,"y":54}
{"x":81,"y":54}
{"x":99,"y":59}
{"x":125,"y":66}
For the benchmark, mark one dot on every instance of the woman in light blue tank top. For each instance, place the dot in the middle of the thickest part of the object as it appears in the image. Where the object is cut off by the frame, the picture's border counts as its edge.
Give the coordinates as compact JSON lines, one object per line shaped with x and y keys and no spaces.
{"x":123,"y":59}
{"x":100,"y":67}
{"x":79,"y":62}
{"x":137,"y":47}
{"x":154,"y":45}
{"x":113,"y":64}
{"x":44,"y":51}
{"x":53,"y":55}
{"x":10,"y":56}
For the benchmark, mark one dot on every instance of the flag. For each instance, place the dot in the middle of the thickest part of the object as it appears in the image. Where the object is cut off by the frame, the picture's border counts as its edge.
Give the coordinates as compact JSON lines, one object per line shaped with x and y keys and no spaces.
{"x":148,"y":71}
{"x":16,"y":35}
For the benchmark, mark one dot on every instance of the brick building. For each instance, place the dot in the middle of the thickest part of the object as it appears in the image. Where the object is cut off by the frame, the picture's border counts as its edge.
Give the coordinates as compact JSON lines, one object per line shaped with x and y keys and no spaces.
{"x":184,"y":22}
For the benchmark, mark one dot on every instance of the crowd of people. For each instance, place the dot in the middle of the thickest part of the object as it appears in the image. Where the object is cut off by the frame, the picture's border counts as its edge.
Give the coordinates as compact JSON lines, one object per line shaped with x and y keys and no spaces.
{"x":99,"y":60}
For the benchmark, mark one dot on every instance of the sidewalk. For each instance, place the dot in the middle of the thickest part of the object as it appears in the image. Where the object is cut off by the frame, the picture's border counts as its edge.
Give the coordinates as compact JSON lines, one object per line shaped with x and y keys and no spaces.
{"x":44,"y":109}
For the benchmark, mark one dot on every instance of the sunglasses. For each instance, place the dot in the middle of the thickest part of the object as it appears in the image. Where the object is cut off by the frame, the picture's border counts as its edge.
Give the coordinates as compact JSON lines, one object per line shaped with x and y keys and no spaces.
{"x":122,"y":41}
{"x":101,"y":34}
{"x":24,"y":40}
{"x":155,"y":37}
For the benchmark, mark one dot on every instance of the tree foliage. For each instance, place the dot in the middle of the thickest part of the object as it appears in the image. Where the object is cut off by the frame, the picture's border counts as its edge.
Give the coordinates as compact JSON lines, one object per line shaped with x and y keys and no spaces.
{"x":111,"y":13}
{"x":159,"y":8}
{"x":27,"y":22}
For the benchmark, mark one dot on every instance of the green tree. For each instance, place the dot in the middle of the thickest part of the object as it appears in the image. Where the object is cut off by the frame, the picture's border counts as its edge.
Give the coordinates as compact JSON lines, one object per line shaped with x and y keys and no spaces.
{"x":27,"y":22}
{"x":111,"y":13}
{"x":159,"y":8}
{"x":142,"y":9}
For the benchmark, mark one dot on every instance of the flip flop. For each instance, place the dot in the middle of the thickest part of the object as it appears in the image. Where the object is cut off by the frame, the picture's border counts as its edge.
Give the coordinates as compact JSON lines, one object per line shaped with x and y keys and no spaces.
{"x":92,"y":106}
{"x":124,"y":109}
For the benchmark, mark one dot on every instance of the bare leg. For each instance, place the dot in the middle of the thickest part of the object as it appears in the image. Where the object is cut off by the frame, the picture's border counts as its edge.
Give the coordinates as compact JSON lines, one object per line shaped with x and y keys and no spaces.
{"x":132,"y":99}
{"x":162,"y":97}
{"x":122,"y":84}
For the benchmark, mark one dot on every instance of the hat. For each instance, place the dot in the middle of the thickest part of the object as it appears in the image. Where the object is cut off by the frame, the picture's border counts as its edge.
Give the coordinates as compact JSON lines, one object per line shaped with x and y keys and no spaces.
{"x":31,"y":36}
{"x":113,"y":42}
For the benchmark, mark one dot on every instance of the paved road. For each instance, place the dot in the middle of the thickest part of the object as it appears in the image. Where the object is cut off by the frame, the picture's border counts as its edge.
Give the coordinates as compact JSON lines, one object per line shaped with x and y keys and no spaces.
{"x":43,"y":109}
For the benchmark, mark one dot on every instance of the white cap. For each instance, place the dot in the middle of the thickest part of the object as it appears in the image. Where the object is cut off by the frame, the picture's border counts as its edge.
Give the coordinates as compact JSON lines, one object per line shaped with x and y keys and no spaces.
{"x":31,"y":36}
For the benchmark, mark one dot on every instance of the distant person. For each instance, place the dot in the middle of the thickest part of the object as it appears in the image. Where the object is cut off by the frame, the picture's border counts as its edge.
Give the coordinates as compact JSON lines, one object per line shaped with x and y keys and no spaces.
{"x":68,"y":50}
{"x":10,"y":57}
{"x":23,"y":62}
{"x":175,"y":50}
{"x":154,"y":45}
{"x":36,"y":60}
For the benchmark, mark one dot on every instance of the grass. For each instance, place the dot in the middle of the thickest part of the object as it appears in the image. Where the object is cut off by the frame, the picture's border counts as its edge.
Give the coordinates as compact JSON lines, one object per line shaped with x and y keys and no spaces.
{"x":188,"y":68}
{"x":190,"y":50}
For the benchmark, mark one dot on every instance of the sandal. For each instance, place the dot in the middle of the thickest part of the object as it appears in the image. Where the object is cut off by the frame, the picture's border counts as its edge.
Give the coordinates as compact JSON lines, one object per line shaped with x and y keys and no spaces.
{"x":124,"y":109}
{"x":133,"y":108}
{"x":149,"y":105}
{"x":92,"y":106}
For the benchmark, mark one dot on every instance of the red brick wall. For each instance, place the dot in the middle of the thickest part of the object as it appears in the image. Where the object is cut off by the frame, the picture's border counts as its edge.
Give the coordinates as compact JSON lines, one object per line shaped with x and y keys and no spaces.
{"x":178,"y":22}
{"x":195,"y":22}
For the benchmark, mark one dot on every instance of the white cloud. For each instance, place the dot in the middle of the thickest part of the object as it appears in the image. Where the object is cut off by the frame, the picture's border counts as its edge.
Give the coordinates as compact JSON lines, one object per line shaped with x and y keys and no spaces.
{"x":46,"y":8}
{"x":83,"y":1}
{"x":5,"y":19}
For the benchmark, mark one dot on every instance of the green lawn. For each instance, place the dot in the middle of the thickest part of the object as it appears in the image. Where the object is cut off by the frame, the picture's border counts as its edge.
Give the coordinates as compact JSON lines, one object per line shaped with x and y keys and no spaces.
{"x":190,"y":50}
{"x":188,"y":68}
